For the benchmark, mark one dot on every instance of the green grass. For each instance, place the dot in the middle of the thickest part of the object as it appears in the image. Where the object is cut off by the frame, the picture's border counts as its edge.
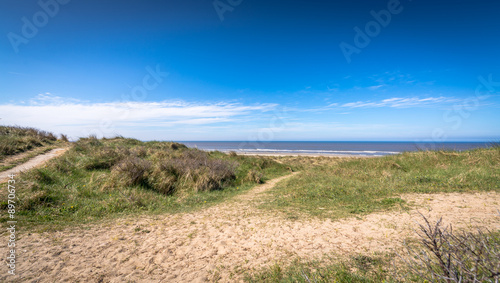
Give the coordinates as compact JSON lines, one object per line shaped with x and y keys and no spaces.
{"x":28,"y":155}
{"x":336,"y":188}
{"x":99,"y":179}
{"x":14,"y":139}
{"x":466,"y":257}
{"x":359,"y":268}
{"x":108,"y":178}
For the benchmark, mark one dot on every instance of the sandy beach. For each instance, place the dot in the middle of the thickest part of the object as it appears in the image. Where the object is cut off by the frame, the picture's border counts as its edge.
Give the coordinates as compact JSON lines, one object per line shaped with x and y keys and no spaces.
{"x":221,"y":242}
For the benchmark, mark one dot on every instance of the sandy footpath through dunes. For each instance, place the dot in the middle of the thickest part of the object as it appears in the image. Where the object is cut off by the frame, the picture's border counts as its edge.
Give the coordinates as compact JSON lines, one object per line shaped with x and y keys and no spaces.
{"x":34,"y":162}
{"x":224,"y":240}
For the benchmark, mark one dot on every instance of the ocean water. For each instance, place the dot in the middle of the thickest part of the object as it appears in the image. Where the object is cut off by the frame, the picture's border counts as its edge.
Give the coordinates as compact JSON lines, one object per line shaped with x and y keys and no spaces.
{"x":330,"y":148}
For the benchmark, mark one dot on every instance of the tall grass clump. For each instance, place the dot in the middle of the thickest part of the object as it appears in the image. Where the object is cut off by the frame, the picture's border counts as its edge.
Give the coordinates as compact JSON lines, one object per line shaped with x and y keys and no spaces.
{"x":171,"y":171}
{"x":14,"y":139}
{"x":64,"y":138}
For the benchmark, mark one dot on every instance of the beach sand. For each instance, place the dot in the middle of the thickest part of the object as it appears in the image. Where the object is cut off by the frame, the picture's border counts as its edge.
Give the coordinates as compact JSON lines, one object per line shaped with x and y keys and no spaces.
{"x":223,"y":241}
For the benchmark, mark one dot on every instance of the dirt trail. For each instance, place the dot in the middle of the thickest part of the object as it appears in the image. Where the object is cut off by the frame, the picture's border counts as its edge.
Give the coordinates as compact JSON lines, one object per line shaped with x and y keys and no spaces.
{"x":34,"y":162}
{"x":222,"y":241}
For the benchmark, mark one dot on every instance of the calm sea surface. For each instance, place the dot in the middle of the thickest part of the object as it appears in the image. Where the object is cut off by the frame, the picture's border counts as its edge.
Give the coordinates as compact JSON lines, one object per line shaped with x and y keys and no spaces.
{"x":330,"y":148}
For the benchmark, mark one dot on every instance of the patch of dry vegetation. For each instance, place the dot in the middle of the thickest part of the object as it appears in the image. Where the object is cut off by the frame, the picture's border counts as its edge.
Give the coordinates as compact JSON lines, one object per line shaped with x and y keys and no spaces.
{"x":100,"y":178}
{"x":444,"y":255}
{"x":344,"y":187}
{"x":14,"y":140}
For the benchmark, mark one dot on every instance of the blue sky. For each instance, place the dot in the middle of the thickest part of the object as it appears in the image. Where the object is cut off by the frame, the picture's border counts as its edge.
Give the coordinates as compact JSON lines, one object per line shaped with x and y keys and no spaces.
{"x":253,"y":70}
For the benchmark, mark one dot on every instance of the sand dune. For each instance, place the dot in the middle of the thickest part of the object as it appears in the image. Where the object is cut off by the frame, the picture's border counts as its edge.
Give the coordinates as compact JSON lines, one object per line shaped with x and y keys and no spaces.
{"x":222,"y":241}
{"x":34,"y":162}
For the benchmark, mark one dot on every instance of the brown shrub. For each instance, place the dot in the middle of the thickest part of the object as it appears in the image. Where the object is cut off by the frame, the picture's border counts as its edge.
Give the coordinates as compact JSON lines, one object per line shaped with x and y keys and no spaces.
{"x":196,"y":169}
{"x":254,"y":176}
{"x":213,"y":175}
{"x":131,"y":171}
{"x":163,"y":177}
{"x":443,"y":255}
{"x":139,"y":151}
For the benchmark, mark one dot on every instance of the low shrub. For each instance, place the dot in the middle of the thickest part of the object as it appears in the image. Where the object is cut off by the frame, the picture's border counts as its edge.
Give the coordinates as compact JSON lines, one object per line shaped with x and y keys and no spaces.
{"x":254,"y":176}
{"x":131,"y":171}
{"x":442,"y":255}
{"x":163,"y":177}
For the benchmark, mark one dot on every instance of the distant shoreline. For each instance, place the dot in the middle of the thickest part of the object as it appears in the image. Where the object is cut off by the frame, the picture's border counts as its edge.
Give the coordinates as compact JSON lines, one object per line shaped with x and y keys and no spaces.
{"x":306,"y":155}
{"x":332,"y":149}
{"x":283,"y":154}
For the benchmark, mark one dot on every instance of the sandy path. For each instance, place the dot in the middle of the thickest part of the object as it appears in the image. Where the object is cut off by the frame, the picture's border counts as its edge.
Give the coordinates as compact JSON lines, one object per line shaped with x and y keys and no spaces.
{"x":34,"y":162}
{"x":222,"y":241}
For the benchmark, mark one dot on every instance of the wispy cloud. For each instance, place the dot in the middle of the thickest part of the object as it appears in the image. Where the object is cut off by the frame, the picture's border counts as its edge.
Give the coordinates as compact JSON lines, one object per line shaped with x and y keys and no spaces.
{"x":71,"y":116}
{"x":400,"y":102}
{"x":394,"y":77}
{"x":50,"y":99}
{"x":375,"y":87}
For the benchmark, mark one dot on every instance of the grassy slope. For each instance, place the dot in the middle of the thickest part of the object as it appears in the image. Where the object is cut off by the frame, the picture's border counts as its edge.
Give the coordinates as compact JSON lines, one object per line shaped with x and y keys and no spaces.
{"x":85,"y":185}
{"x":14,"y":140}
{"x":360,"y":186}
{"x":18,"y":159}
{"x":335,"y":188}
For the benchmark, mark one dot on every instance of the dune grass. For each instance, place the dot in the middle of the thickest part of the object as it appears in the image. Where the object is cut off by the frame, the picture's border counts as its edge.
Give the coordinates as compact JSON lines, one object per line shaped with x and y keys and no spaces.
{"x":436,"y":254}
{"x":336,"y":188}
{"x":13,"y":161}
{"x":106,"y":178}
{"x":358,"y":268}
{"x":14,"y":139}
{"x":100,"y":179}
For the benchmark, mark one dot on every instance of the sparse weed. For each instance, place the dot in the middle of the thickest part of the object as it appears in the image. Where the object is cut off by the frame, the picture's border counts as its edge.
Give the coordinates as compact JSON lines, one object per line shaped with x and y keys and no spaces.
{"x":444,"y":255}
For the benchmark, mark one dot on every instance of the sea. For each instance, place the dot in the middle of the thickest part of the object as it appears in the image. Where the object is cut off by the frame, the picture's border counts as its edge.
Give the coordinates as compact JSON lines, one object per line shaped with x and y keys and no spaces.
{"x":362,"y":149}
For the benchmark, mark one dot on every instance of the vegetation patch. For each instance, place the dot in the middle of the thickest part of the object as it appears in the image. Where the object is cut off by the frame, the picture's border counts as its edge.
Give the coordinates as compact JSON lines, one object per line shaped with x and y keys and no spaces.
{"x":443,"y":255}
{"x":358,"y":268}
{"x":100,"y":178}
{"x":336,"y":188}
{"x":14,"y":140}
{"x":13,"y":161}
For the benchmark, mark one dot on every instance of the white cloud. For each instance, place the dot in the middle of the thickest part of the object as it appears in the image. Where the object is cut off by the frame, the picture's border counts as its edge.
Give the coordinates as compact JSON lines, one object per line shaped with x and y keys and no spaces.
{"x":375,"y":87}
{"x":78,"y":118}
{"x":400,"y":102}
{"x":48,"y":98}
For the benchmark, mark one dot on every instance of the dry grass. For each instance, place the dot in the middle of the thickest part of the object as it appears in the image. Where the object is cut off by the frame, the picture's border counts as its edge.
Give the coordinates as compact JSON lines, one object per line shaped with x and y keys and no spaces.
{"x":14,"y":139}
{"x":346,"y":187}
{"x":101,"y":178}
{"x":444,"y":255}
